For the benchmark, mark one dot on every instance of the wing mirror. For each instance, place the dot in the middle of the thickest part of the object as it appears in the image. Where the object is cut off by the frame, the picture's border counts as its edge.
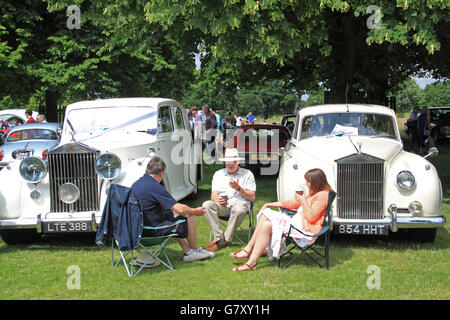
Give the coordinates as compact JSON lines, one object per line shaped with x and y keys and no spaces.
{"x":432,"y":152}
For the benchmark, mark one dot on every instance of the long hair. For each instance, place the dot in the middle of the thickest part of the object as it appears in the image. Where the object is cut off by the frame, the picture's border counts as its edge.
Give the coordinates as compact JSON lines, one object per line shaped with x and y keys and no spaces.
{"x":318,"y":180}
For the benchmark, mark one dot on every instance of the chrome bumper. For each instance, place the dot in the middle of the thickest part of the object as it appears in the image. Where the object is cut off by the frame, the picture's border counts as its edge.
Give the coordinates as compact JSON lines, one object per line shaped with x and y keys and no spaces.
{"x":37,"y":223}
{"x":394,"y":221}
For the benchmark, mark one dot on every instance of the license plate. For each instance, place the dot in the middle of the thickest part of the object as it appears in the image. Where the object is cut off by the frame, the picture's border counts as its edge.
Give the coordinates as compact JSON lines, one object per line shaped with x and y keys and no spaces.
{"x":363,"y":229}
{"x":67,"y":226}
{"x":264,"y":157}
{"x":23,"y":155}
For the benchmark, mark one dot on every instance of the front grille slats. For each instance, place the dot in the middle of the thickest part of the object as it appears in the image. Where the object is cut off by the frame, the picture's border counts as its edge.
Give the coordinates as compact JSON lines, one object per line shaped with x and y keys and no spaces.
{"x":79,"y":169}
{"x":360,"y":187}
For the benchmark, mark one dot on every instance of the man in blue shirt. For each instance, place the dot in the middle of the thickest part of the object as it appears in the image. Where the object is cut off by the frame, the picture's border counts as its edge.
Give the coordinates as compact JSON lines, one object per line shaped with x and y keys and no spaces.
{"x":250,"y":118}
{"x":160,"y":208}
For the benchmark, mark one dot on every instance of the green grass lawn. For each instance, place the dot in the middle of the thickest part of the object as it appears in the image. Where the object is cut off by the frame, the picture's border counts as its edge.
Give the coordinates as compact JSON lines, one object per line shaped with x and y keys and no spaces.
{"x":407,"y":269}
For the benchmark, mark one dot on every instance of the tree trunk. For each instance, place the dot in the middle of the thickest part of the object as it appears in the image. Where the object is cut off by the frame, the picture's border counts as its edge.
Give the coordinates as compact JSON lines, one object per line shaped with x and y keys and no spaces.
{"x":51,"y":106}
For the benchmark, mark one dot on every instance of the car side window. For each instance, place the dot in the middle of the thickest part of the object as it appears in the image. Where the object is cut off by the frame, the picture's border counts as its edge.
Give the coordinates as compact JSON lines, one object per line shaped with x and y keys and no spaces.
{"x":179,"y":123}
{"x":165,"y":120}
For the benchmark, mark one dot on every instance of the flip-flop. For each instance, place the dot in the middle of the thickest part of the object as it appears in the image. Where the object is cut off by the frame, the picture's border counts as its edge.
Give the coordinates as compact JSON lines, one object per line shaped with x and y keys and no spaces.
{"x":234,"y":254}
{"x":245,"y":264}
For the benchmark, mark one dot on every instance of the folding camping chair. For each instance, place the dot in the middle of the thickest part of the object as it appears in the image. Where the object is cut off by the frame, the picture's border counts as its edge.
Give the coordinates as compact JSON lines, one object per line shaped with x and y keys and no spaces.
{"x":249,"y":232}
{"x":291,"y":243}
{"x":144,"y":244}
{"x":123,"y":222}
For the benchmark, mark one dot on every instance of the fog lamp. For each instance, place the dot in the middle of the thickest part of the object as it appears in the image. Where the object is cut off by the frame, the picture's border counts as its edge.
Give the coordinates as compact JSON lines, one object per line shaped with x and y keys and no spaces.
{"x":415,"y":208}
{"x":69,"y":193}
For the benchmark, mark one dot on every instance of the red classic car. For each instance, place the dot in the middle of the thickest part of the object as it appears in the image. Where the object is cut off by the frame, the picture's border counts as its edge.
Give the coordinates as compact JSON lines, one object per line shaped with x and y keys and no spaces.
{"x":259,"y":144}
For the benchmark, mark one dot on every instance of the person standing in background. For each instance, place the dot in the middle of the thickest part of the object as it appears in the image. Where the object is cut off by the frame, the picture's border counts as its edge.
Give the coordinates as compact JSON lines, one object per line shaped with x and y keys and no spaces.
{"x":250,"y":118}
{"x":219,"y":136}
{"x":29,"y":115}
{"x":210,"y":132}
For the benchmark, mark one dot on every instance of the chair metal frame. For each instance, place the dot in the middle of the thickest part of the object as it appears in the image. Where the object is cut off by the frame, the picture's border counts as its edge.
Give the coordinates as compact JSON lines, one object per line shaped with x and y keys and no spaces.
{"x":249,"y":232}
{"x":144,"y":243}
{"x":324,"y":232}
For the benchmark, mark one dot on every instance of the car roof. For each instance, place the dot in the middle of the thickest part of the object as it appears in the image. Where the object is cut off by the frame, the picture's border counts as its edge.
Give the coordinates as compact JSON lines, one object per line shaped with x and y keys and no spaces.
{"x":437,"y":108}
{"x":119,"y":102}
{"x":342,"y":108}
{"x":36,"y":125}
{"x":262,"y":126}
{"x":18,"y":112}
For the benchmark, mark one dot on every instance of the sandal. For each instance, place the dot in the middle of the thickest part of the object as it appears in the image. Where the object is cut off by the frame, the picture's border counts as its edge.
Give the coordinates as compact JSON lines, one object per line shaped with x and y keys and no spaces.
{"x":234,"y":255}
{"x":249,"y":267}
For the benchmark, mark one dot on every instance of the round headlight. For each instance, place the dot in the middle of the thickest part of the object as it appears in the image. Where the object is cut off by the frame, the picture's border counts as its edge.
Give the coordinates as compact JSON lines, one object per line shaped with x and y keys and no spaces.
{"x":108,"y":166}
{"x":33,"y":169}
{"x":68,"y":193}
{"x":406,"y":180}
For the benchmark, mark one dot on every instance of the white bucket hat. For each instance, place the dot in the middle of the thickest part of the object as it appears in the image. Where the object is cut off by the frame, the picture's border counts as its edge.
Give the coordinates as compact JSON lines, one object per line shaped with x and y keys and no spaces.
{"x":231,"y":155}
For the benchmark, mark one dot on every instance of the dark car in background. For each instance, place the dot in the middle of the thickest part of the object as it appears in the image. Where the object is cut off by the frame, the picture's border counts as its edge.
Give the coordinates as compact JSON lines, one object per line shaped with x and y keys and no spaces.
{"x":259,"y":145}
{"x":440,"y":123}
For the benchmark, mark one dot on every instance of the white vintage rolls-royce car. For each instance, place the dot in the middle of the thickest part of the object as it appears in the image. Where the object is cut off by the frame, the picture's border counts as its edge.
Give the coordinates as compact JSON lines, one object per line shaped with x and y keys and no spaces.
{"x":380,"y":187}
{"x":102,"y":142}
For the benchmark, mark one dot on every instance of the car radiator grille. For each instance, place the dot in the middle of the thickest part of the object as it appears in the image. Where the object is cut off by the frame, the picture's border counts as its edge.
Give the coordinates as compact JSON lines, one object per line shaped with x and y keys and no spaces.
{"x":360,"y":187}
{"x":79,"y":169}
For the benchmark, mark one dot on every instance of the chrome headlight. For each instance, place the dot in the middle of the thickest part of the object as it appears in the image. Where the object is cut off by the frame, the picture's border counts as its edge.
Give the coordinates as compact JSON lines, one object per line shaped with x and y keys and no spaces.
{"x":406,"y":180}
{"x":33,"y":169}
{"x":68,"y":193}
{"x":108,"y":166}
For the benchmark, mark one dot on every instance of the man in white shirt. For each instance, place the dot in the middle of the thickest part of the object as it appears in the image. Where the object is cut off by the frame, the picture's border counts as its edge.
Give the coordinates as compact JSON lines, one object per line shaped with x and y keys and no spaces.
{"x":232,"y":192}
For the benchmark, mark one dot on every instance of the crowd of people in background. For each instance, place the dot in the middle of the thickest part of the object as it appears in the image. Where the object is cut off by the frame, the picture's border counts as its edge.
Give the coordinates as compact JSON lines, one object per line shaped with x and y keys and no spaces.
{"x":211,"y":127}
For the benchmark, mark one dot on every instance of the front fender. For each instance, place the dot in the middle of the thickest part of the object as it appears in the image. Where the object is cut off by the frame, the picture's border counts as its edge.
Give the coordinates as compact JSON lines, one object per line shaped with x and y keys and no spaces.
{"x":427,"y":189}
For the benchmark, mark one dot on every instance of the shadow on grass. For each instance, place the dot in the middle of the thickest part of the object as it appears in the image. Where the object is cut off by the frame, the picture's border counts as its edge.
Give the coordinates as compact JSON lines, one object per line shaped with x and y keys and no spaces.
{"x":400,"y":240}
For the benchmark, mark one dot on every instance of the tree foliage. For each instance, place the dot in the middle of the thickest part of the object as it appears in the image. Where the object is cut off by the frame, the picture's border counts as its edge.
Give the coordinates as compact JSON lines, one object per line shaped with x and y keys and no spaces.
{"x":281,"y":47}
{"x":309,"y":42}
{"x":114,"y":53}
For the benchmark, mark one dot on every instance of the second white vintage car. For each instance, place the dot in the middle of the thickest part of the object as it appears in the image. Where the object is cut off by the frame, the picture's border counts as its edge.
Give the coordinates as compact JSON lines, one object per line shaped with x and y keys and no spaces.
{"x":380,"y":187}
{"x":102,"y":142}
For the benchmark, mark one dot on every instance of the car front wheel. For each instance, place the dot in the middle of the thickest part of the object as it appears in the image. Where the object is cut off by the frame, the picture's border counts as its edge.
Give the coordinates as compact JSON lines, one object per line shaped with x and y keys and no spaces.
{"x":424,"y":235}
{"x":25,"y":236}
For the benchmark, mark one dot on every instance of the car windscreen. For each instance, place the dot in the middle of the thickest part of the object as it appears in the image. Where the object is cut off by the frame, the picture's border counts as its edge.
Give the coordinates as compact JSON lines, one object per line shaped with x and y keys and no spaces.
{"x":440,"y":114}
{"x":32,"y":134}
{"x":348,"y":123}
{"x":94,"y":120}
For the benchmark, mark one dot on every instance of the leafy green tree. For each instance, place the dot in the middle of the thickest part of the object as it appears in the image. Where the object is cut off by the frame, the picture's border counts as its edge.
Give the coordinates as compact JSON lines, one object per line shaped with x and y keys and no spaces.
{"x":310,"y":42}
{"x":315,"y":97}
{"x":436,"y":94}
{"x":45,"y":63}
{"x":408,"y":95}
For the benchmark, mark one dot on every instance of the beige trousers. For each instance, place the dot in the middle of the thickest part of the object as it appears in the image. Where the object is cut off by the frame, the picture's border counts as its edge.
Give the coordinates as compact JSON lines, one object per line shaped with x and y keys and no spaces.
{"x":236,"y":213}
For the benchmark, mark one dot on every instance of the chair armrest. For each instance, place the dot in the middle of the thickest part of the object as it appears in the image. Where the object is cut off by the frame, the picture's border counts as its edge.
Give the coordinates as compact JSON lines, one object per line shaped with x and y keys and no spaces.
{"x":307,"y":235}
{"x":289,"y":212}
{"x":164,"y":227}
